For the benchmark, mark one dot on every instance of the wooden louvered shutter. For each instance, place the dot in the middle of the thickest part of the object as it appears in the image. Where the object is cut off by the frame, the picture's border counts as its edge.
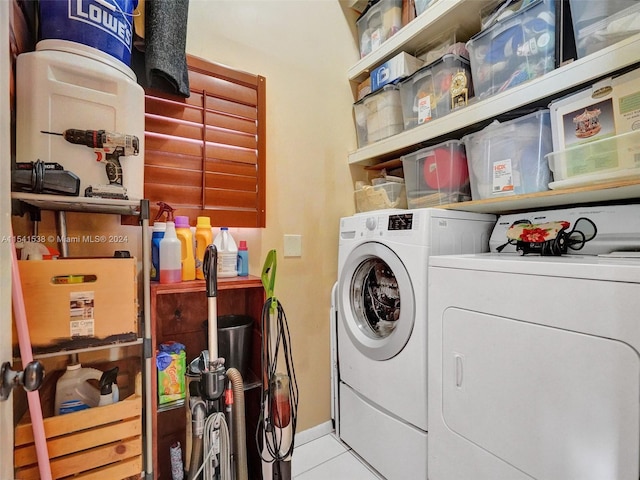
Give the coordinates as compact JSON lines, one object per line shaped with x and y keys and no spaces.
{"x":205,"y":155}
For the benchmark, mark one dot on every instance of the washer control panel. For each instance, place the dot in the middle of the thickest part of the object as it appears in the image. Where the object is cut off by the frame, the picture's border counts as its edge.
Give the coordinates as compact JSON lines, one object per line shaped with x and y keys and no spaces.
{"x":403,"y":221}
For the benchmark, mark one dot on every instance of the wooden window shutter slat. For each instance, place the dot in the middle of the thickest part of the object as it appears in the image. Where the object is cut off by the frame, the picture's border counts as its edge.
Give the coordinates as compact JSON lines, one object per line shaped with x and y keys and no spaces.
{"x":205,"y":155}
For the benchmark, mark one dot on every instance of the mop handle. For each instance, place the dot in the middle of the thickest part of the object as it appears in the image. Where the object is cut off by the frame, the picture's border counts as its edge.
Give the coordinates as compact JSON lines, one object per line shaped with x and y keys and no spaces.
{"x":210,"y":270}
{"x":24,"y":340}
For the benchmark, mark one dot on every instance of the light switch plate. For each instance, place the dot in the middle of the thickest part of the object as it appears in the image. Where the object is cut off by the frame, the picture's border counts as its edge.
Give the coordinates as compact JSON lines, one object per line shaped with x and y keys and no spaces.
{"x":293,"y":245}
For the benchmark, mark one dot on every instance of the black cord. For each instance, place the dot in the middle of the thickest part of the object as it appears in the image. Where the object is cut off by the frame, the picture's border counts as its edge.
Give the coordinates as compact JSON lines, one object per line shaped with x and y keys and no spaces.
{"x":271,"y":350}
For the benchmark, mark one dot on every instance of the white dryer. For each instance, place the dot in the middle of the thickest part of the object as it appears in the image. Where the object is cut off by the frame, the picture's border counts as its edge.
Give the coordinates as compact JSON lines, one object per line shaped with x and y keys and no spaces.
{"x":534,"y":367}
{"x":381,"y":308}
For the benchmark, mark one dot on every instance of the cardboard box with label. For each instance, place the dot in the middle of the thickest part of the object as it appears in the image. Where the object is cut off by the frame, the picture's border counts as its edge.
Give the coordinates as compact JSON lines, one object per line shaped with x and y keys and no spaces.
{"x":596,"y":133}
{"x":401,"y":66}
{"x":73,"y":301}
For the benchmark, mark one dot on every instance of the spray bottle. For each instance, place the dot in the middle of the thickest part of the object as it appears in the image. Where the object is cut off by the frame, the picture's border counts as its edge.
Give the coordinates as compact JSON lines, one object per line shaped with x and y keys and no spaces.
{"x":109,"y":392}
{"x":170,"y":250}
{"x":75,"y":393}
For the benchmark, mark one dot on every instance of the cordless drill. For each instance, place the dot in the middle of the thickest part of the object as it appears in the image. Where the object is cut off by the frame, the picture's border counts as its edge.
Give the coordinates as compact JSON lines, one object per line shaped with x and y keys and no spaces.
{"x":109,"y":147}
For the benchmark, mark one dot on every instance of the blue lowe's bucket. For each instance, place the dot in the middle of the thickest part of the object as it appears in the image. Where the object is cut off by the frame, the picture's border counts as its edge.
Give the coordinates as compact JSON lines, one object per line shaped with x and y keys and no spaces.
{"x":106,"y":25}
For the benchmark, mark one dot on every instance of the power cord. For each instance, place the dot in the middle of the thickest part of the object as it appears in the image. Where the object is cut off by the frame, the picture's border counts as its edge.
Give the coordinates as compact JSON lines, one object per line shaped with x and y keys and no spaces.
{"x":280,"y":347}
{"x":215,"y":440}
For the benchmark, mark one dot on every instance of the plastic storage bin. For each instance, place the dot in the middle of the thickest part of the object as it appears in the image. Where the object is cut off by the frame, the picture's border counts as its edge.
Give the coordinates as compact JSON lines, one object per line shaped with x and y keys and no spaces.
{"x":378,"y":115}
{"x":509,"y":158}
{"x":381,"y":196}
{"x":378,"y":23}
{"x":435,"y":90}
{"x":602,"y":160}
{"x":514,"y":50}
{"x":422,"y":5}
{"x":598,"y":24}
{"x":437,"y":175}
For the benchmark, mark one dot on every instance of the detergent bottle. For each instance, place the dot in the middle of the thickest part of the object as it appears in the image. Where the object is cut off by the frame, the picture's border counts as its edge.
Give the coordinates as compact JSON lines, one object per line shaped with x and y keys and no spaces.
{"x":227,"y":253}
{"x":170,"y":255}
{"x":188,"y":261}
{"x":75,"y":393}
{"x":204,"y":237}
{"x":156,"y":235}
{"x":243,"y":259}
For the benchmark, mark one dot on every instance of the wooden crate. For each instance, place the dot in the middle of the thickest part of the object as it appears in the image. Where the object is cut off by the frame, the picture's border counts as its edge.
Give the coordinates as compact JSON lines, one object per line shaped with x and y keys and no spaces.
{"x":101,"y":443}
{"x":95,"y":298}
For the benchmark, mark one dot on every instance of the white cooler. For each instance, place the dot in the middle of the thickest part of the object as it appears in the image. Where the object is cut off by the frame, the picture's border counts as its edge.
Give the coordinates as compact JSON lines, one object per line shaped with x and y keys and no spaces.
{"x":66,"y":85}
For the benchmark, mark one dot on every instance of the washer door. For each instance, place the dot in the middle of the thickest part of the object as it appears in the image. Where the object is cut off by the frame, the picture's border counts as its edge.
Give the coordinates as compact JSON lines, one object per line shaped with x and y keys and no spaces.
{"x":376,"y":301}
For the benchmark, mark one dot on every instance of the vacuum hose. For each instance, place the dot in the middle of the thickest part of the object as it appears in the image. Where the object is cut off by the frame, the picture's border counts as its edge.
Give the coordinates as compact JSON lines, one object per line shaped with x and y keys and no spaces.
{"x":198,"y":415}
{"x":239,"y":424}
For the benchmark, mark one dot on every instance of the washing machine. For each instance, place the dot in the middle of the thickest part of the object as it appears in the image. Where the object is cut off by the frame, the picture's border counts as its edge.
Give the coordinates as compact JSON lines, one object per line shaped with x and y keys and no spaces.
{"x":381,"y":317}
{"x":534,"y":362}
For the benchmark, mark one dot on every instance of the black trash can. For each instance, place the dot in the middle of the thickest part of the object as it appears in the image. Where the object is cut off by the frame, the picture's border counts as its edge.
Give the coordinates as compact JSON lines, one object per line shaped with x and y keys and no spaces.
{"x":235,"y":337}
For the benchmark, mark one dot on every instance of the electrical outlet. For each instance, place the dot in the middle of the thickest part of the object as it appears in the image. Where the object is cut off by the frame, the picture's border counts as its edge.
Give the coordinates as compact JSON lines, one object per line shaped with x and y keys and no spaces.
{"x":293,"y":245}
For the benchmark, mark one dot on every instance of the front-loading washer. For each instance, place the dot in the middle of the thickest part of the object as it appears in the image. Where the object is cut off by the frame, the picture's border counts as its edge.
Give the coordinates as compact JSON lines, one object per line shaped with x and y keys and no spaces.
{"x":534,"y":367}
{"x":381,"y":310}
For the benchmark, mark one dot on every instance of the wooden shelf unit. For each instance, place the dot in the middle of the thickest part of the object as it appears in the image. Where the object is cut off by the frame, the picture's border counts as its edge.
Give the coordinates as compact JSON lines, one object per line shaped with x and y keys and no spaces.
{"x":178,"y":313}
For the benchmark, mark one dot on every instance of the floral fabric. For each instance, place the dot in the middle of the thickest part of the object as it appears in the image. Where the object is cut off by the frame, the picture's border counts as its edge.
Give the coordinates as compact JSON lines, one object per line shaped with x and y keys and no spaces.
{"x":536,"y":233}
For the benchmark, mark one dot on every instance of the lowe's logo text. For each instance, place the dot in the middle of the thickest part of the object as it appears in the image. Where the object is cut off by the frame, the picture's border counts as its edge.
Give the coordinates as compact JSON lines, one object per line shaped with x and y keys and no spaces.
{"x":109,"y":20}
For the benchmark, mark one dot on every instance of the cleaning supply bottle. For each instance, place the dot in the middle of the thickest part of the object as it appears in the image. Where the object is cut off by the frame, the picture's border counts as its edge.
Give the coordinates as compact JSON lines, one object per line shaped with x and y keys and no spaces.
{"x":204,"y":237}
{"x":74,"y":392}
{"x":188,"y":261}
{"x":170,"y":255}
{"x":156,"y":235}
{"x":109,"y":392}
{"x":227,"y":253}
{"x":243,"y":259}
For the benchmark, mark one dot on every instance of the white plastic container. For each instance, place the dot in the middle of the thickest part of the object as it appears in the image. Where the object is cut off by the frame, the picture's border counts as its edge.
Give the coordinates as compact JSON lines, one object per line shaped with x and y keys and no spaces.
{"x":66,"y":85}
{"x":604,"y":160}
{"x":73,"y":392}
{"x":510,"y":158}
{"x":227,"y":253}
{"x":381,"y":196}
{"x":437,"y":175}
{"x":378,"y":115}
{"x":377,"y":24}
{"x":514,"y":50}
{"x":598,"y":24}
{"x":170,"y":256}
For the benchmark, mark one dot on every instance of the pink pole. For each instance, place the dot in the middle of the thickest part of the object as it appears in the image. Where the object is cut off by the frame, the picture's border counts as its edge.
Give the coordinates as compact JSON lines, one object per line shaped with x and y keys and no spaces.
{"x":35,"y":409}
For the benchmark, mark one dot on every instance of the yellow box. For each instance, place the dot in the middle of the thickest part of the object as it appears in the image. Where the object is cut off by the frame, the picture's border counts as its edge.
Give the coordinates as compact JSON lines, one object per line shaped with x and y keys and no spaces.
{"x":74,"y":300}
{"x":101,"y":442}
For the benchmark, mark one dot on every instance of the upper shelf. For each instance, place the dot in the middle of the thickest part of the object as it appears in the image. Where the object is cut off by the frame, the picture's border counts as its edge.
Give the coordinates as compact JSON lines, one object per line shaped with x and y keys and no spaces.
{"x":597,"y":193}
{"x":79,"y":204}
{"x":555,"y":83}
{"x":436,"y":20}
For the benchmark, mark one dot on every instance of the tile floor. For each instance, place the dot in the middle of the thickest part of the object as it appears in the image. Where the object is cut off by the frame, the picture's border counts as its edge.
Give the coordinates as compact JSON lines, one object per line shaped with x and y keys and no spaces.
{"x":327,"y":458}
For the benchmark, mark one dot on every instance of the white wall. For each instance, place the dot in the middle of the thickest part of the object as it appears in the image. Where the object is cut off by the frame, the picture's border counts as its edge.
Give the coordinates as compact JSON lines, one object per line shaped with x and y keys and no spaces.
{"x":304,"y":49}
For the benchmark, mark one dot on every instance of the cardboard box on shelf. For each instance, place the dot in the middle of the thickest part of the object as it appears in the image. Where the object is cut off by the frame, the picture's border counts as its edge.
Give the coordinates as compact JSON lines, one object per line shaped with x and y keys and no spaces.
{"x":607,"y":108}
{"x":397,"y":68}
{"x":79,"y":302}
